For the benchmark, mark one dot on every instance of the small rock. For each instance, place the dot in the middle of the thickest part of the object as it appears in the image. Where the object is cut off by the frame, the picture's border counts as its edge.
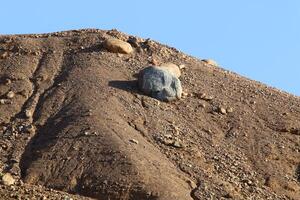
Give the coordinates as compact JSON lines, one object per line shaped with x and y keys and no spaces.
{"x":192,"y":184}
{"x":7,"y":81}
{"x":177,"y":144}
{"x":184,"y":94}
{"x":210,"y":62}
{"x":28,"y":113}
{"x":86,"y":133}
{"x":3,"y":55}
{"x":182,"y":66}
{"x":222,"y":110}
{"x":117,"y":46}
{"x":7,"y":179}
{"x":202,"y":105}
{"x":204,"y":96}
{"x":2,"y":101}
{"x":10,"y":95}
{"x":134,"y":141}
{"x":229,"y":110}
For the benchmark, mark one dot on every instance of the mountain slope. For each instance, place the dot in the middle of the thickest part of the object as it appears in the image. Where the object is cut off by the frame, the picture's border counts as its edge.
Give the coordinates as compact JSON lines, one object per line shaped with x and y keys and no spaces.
{"x":78,"y":123}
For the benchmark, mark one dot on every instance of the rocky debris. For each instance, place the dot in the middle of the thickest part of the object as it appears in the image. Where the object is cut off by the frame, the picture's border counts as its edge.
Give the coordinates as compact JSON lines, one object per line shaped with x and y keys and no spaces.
{"x":182,"y":66}
{"x":159,"y":84}
{"x":210,"y":62}
{"x":117,"y":46}
{"x":10,"y":95}
{"x":171,"y":68}
{"x":28,"y":113}
{"x":7,"y":81}
{"x":222,"y":110}
{"x":148,"y":102}
{"x":7,"y":179}
{"x":229,"y":110}
{"x":204,"y":96}
{"x":3,"y":55}
{"x":134,"y":141}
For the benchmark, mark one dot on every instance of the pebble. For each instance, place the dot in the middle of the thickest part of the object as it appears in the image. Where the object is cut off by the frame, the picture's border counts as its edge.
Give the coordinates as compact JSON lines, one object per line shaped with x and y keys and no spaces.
{"x":222,"y":110}
{"x":7,"y":81}
{"x":10,"y":95}
{"x":117,"y":46}
{"x":177,"y":144}
{"x":134,"y":141}
{"x":28,"y":113}
{"x":3,"y":55}
{"x":2,"y":101}
{"x":7,"y":179}
{"x":202,"y":105}
{"x":210,"y":62}
{"x":229,"y":110}
{"x":192,"y":184}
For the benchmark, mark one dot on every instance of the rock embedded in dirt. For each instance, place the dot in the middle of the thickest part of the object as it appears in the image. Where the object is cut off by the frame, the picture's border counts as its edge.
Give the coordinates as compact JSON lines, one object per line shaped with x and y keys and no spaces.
{"x":222,"y":110}
{"x":3,"y":55}
{"x":10,"y":95}
{"x":229,"y":110}
{"x":134,"y":141}
{"x":210,"y":62}
{"x":7,"y":179}
{"x":159,"y":84}
{"x":28,"y":113}
{"x":117,"y":46}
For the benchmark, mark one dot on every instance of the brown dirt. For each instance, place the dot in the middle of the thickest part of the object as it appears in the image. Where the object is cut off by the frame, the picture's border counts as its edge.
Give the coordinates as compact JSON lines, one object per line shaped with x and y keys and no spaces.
{"x":93,"y":134}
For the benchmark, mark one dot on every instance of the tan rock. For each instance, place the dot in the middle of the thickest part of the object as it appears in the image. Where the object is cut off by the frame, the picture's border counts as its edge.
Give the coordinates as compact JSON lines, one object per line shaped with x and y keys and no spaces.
{"x":222,"y":110}
{"x":7,"y":179}
{"x":117,"y":46}
{"x":10,"y":95}
{"x":172,"y":68}
{"x":210,"y":62}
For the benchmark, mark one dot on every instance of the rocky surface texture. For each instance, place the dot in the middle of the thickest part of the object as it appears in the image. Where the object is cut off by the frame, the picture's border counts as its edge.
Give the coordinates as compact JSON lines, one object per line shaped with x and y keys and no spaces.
{"x":73,"y":121}
{"x":160,"y":84}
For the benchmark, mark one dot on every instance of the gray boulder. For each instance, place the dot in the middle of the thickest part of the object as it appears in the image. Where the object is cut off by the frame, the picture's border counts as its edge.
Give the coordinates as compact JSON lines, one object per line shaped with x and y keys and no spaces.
{"x":160,"y":84}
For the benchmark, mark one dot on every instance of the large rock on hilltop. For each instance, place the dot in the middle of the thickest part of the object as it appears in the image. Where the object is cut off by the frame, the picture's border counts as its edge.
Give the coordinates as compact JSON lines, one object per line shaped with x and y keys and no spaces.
{"x":160,"y":84}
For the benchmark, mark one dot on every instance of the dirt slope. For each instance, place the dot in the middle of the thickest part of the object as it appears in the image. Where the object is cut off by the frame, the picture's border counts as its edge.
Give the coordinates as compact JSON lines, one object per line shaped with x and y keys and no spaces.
{"x":76,"y":122}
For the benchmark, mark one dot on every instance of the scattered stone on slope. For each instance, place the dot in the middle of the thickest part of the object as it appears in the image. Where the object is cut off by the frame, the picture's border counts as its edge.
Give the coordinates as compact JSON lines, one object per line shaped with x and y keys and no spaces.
{"x":204,"y":96}
{"x":3,"y":55}
{"x":210,"y":62}
{"x":28,"y":113}
{"x":10,"y":95}
{"x":7,"y":179}
{"x":229,"y":110}
{"x":117,"y":46}
{"x":222,"y":110}
{"x":159,"y":84}
{"x":134,"y":141}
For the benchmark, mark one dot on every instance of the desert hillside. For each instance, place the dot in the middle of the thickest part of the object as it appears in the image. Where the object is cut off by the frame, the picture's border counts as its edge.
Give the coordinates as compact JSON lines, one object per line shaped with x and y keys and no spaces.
{"x":74,"y":125}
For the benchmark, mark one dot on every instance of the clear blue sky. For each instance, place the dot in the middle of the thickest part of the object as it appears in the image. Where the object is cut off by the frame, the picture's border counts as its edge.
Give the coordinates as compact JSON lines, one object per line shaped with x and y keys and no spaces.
{"x":259,"y":39}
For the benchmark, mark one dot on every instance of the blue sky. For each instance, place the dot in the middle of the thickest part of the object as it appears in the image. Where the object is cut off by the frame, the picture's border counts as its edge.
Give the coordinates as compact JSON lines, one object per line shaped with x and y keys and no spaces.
{"x":259,"y":39}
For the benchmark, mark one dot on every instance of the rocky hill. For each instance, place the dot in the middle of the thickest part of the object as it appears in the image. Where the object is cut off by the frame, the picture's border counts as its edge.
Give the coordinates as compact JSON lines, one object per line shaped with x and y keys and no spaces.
{"x":74,"y":125}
